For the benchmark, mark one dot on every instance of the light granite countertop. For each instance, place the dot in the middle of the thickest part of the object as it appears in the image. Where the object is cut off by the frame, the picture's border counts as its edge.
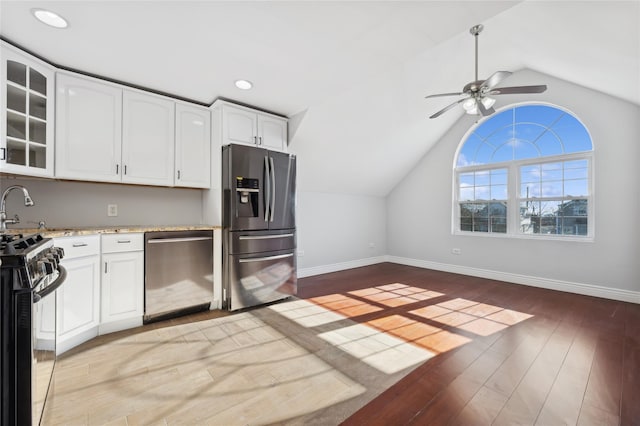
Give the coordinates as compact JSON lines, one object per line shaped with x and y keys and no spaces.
{"x":69,"y":232}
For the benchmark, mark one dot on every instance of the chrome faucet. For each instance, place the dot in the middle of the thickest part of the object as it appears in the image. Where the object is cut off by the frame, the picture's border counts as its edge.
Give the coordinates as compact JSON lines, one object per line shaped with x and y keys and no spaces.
{"x":3,"y":209}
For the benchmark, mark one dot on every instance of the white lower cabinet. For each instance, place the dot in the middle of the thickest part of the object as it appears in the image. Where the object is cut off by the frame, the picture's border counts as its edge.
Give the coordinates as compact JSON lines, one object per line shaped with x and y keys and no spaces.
{"x":78,"y":298}
{"x":122,"y":293}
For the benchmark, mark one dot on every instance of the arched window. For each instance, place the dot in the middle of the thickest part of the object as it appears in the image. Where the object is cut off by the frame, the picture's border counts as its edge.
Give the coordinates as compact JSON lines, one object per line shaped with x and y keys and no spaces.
{"x":525,"y":171}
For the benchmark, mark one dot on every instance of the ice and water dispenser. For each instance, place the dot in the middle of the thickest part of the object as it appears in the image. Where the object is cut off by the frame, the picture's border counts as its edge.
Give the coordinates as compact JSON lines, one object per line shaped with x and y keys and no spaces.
{"x":247,"y":191}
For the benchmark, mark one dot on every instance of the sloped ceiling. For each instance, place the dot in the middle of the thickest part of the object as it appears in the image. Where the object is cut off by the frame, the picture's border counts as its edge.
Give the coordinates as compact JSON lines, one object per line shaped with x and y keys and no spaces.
{"x":352,"y":75}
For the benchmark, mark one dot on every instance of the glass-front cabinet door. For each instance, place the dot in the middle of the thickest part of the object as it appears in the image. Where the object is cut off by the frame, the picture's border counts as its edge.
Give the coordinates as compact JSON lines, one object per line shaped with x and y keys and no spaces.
{"x":27,"y":118}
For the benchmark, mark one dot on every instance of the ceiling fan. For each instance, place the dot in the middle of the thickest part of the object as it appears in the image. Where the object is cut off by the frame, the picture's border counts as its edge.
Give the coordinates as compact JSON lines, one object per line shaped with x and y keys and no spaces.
{"x":477,"y":93}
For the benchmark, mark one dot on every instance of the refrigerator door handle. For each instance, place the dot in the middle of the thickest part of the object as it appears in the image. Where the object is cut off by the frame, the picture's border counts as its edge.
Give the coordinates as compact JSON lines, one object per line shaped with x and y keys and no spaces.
{"x":273,"y":189}
{"x":264,"y":237}
{"x":267,"y":191}
{"x":262,"y":259}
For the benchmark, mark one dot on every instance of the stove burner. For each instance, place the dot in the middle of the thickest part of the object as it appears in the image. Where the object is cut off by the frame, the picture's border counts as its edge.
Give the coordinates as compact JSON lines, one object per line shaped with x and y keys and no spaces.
{"x":31,"y":258}
{"x":6,"y":239}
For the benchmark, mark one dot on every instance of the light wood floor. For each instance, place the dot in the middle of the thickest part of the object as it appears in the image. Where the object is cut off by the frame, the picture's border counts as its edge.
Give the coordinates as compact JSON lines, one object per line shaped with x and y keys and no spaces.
{"x":385,"y":344}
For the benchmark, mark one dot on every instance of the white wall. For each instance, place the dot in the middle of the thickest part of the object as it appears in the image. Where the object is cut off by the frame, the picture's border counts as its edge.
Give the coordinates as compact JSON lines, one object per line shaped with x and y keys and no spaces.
{"x":337,"y":231}
{"x":419,"y":208}
{"x":74,"y":204}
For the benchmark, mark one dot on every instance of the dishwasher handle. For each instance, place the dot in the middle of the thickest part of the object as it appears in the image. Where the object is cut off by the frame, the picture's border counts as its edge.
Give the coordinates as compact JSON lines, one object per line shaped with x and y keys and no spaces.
{"x":177,"y":240}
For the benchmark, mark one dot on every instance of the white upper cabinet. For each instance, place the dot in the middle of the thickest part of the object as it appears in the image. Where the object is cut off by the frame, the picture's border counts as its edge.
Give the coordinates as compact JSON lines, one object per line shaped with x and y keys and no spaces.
{"x":26,"y":114}
{"x":243,"y":125}
{"x":239,"y":126}
{"x":88,"y":129}
{"x":193,"y":146}
{"x":148,"y":134}
{"x":272,"y":132}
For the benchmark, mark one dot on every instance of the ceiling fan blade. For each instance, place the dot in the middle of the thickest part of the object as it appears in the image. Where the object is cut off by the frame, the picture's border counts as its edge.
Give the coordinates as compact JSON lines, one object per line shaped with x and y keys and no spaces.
{"x":447,"y":108}
{"x":443,"y":94}
{"x":483,"y":110}
{"x":495,"y":78}
{"x":518,"y":89}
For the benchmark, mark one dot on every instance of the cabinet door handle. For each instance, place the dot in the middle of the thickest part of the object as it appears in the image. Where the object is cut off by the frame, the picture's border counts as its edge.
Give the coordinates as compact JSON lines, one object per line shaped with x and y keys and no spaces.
{"x":178,"y":174}
{"x":105,"y":267}
{"x":124,"y":241}
{"x":125,"y":169}
{"x":117,"y":168}
{"x":80,"y":245}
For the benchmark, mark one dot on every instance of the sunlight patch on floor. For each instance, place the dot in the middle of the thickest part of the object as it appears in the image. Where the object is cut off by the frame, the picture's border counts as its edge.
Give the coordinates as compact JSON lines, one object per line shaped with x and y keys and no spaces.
{"x":393,"y":342}
{"x":382,"y":351}
{"x":233,"y":370}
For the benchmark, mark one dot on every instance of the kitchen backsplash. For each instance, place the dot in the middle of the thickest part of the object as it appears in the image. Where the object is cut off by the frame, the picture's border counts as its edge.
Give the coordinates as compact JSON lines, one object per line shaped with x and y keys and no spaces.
{"x":78,"y":204}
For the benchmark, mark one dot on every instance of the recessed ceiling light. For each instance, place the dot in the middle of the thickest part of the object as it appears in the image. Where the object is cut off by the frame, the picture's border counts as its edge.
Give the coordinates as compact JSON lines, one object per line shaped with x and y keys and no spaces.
{"x":244,"y":84}
{"x":50,"y":18}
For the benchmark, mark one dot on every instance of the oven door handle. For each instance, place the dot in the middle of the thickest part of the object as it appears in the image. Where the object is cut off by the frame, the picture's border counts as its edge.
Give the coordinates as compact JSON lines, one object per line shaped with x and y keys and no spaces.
{"x":51,"y":287}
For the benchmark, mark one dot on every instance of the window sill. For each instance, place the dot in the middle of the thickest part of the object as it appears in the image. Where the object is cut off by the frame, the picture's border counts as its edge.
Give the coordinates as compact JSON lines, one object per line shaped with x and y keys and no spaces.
{"x":543,"y":237}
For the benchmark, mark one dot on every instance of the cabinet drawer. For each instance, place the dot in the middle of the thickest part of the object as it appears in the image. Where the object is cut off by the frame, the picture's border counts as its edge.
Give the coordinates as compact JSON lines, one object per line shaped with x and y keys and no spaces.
{"x":113,"y":243}
{"x":81,"y":246}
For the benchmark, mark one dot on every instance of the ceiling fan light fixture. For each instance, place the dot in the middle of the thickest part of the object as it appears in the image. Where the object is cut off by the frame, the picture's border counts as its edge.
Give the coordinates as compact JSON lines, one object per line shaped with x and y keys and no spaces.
{"x":470,"y":106}
{"x":477,"y":90}
{"x":488,"y":102}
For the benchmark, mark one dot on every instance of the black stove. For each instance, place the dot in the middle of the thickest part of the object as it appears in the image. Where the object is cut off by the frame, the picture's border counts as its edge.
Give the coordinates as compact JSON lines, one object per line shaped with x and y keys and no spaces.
{"x":29,"y":270}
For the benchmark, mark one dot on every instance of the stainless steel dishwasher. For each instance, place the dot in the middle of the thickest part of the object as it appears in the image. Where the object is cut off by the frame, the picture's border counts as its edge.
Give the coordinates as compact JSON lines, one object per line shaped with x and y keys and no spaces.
{"x":178,"y":273}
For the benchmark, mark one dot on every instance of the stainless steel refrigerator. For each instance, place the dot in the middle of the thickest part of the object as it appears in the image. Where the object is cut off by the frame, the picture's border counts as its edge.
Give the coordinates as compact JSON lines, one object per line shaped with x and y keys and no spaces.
{"x":259,"y":226}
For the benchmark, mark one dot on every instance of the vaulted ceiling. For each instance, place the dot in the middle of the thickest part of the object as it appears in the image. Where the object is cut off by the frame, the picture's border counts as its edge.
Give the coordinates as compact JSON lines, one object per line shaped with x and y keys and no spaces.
{"x":352,"y":75}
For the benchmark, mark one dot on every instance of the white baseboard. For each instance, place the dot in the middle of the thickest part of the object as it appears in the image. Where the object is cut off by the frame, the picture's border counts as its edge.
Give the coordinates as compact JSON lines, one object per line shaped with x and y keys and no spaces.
{"x":119,"y":325}
{"x":63,"y":344}
{"x":334,"y":267}
{"x":548,"y":283}
{"x":570,"y":287}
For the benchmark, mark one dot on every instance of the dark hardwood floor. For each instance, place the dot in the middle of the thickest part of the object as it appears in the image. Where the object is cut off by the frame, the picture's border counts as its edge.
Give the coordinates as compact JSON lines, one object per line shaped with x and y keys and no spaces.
{"x":504,"y":354}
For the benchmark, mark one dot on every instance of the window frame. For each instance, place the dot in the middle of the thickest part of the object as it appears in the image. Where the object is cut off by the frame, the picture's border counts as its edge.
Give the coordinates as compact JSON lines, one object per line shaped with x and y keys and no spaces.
{"x":514,"y":199}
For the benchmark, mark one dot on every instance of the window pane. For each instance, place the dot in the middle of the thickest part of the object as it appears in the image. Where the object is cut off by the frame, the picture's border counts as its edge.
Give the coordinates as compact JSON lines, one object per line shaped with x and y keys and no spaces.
{"x":551,"y":171}
{"x":530,"y":174}
{"x":573,"y":208}
{"x":484,"y":154}
{"x":466,"y":217}
{"x":530,"y":190}
{"x":573,"y":134}
{"x":466,"y":193}
{"x":498,"y":224}
{"x":483,"y":178}
{"x":542,"y":114}
{"x":525,"y":149}
{"x":497,"y":121}
{"x":529,"y":131}
{"x":499,"y":177}
{"x":503,"y":153}
{"x":552,"y":189}
{"x":467,"y":154}
{"x":550,"y":208}
{"x":466,"y":179}
{"x":499,"y":192}
{"x":483,"y":193}
{"x":576,"y":164}
{"x":549,"y":144}
{"x":576,"y":188}
{"x":575,"y":173}
{"x":574,"y":225}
